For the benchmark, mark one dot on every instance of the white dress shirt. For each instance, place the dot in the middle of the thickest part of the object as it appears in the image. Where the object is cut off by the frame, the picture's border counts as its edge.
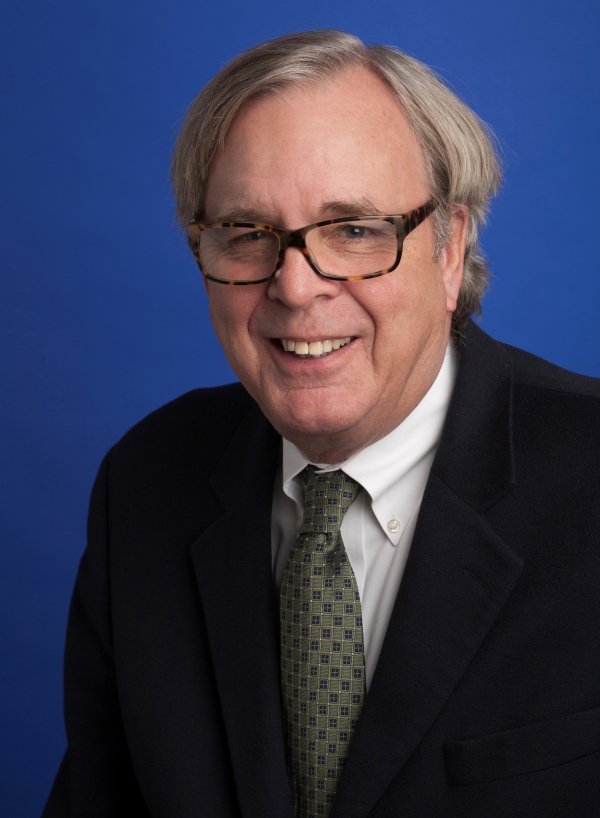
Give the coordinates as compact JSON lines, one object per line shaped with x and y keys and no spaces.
{"x":378,"y":528}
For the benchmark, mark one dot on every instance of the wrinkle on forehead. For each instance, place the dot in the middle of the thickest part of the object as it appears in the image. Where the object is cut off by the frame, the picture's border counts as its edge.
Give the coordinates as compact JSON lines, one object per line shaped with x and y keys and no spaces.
{"x":362,"y":206}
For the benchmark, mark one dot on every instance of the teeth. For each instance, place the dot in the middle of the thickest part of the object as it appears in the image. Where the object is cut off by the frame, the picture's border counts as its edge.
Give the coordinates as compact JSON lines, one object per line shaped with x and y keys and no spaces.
{"x":314,"y":349}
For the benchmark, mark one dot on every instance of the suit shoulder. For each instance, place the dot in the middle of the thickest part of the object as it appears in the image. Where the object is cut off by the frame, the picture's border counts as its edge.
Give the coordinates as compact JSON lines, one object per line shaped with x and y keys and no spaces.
{"x":531,"y":371}
{"x":203,"y":420}
{"x":556,"y":411}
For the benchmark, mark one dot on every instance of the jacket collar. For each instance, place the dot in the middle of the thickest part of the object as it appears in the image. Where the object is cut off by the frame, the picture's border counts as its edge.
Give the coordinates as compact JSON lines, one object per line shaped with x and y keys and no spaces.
{"x":475,"y":455}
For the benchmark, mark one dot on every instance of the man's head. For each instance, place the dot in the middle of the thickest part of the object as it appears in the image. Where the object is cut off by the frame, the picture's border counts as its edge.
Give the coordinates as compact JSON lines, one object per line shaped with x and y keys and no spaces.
{"x":316,"y":126}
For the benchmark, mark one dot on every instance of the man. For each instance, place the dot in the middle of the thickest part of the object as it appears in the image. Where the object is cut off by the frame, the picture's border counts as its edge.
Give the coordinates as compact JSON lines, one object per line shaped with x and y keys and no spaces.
{"x":364,"y":582}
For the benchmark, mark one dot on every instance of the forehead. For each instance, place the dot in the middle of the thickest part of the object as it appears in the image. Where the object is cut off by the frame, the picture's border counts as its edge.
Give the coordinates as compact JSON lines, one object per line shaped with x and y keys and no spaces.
{"x":343,"y":140}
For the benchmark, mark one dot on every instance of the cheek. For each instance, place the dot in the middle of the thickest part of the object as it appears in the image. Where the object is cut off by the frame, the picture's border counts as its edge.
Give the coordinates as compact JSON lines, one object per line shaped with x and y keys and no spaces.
{"x":219,"y":318}
{"x":226,"y":311}
{"x":406,"y":310}
{"x":231,"y":310}
{"x":424,"y":281}
{"x":403,"y":298}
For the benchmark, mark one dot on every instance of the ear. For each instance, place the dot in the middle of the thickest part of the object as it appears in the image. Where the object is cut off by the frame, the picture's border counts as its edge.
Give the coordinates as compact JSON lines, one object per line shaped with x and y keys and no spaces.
{"x":453,"y":256}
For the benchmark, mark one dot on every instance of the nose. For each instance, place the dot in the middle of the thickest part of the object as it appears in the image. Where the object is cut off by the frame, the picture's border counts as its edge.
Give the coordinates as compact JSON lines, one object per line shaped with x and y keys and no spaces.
{"x":297,"y":285}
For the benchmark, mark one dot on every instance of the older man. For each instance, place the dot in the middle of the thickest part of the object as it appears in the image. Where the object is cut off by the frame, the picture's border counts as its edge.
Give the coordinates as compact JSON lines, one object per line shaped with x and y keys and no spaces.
{"x":364,"y":581}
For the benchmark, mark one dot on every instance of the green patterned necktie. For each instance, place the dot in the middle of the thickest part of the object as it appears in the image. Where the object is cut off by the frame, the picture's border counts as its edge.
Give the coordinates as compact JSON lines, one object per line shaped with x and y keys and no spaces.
{"x":322,"y":651}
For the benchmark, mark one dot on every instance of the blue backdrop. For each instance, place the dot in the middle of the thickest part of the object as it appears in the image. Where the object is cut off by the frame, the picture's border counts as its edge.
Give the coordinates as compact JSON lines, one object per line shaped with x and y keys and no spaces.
{"x":102,"y":312}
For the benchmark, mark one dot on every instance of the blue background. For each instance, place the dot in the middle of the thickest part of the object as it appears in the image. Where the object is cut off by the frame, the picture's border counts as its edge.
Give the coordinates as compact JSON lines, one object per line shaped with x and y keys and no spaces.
{"x":102,"y":312}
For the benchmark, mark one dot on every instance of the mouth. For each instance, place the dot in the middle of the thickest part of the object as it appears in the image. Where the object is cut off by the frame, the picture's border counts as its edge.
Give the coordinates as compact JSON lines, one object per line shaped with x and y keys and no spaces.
{"x":314,"y":349}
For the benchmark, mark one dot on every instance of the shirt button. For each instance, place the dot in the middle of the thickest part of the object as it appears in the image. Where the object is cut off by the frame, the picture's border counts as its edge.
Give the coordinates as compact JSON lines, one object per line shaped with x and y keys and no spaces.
{"x":393,"y":525}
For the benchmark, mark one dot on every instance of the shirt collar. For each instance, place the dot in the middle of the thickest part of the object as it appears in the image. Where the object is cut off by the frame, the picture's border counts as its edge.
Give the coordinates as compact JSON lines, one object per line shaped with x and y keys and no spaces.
{"x":394,"y":469}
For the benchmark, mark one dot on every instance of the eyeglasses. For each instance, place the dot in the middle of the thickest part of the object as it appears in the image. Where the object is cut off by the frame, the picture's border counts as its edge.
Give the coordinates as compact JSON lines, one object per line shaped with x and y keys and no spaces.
{"x":346,"y":249}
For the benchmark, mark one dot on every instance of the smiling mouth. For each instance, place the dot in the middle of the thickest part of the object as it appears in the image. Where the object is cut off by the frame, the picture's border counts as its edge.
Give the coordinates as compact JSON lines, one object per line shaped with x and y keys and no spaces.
{"x":314,"y":349}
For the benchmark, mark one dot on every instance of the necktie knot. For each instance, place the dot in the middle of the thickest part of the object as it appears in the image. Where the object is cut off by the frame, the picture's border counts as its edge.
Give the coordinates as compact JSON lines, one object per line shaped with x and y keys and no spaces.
{"x":328,"y":496}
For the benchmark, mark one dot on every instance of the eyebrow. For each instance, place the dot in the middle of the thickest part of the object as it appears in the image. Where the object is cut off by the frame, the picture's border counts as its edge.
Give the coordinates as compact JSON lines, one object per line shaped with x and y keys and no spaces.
{"x":351,"y":207}
{"x":332,"y":209}
{"x":236,"y":215}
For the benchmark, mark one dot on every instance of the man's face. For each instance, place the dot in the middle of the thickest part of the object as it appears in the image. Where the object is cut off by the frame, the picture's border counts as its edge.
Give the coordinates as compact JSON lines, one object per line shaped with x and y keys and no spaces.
{"x":308,"y":155}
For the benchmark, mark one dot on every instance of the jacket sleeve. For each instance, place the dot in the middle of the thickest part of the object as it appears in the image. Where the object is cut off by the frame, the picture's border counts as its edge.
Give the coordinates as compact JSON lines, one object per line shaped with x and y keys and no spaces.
{"x":96,"y":777}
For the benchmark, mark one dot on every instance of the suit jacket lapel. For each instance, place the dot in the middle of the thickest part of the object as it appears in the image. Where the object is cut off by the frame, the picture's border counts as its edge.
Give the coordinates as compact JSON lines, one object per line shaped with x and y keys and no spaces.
{"x":232,"y":561}
{"x":458,"y":576}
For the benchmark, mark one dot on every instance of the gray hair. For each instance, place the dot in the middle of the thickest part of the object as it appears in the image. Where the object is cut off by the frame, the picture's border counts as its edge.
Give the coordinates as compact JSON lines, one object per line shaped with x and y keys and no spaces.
{"x":461,"y":162}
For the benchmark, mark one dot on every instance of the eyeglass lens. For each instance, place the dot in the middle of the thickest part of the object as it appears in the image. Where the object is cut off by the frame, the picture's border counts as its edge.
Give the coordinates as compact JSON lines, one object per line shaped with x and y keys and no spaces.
{"x":351,"y":248}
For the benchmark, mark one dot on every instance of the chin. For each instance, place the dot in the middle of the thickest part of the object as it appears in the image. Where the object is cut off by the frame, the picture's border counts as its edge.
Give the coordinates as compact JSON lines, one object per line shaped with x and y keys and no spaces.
{"x":314,"y":421}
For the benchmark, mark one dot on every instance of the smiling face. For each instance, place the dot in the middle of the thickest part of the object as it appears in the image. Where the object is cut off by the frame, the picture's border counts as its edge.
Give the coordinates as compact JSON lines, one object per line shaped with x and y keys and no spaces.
{"x":292,"y":160}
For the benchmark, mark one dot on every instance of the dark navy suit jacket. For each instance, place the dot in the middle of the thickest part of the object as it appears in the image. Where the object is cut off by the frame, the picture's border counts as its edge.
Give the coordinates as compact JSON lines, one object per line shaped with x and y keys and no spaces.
{"x":486,"y":697}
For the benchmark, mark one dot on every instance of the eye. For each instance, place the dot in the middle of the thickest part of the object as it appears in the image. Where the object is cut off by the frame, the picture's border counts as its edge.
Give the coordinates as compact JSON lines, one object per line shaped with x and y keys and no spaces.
{"x":249,"y":238}
{"x":354,"y":231}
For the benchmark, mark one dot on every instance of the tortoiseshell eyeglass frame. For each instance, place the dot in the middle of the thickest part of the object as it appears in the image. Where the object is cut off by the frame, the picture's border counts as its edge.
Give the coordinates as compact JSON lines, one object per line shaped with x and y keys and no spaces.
{"x":404,"y":223}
